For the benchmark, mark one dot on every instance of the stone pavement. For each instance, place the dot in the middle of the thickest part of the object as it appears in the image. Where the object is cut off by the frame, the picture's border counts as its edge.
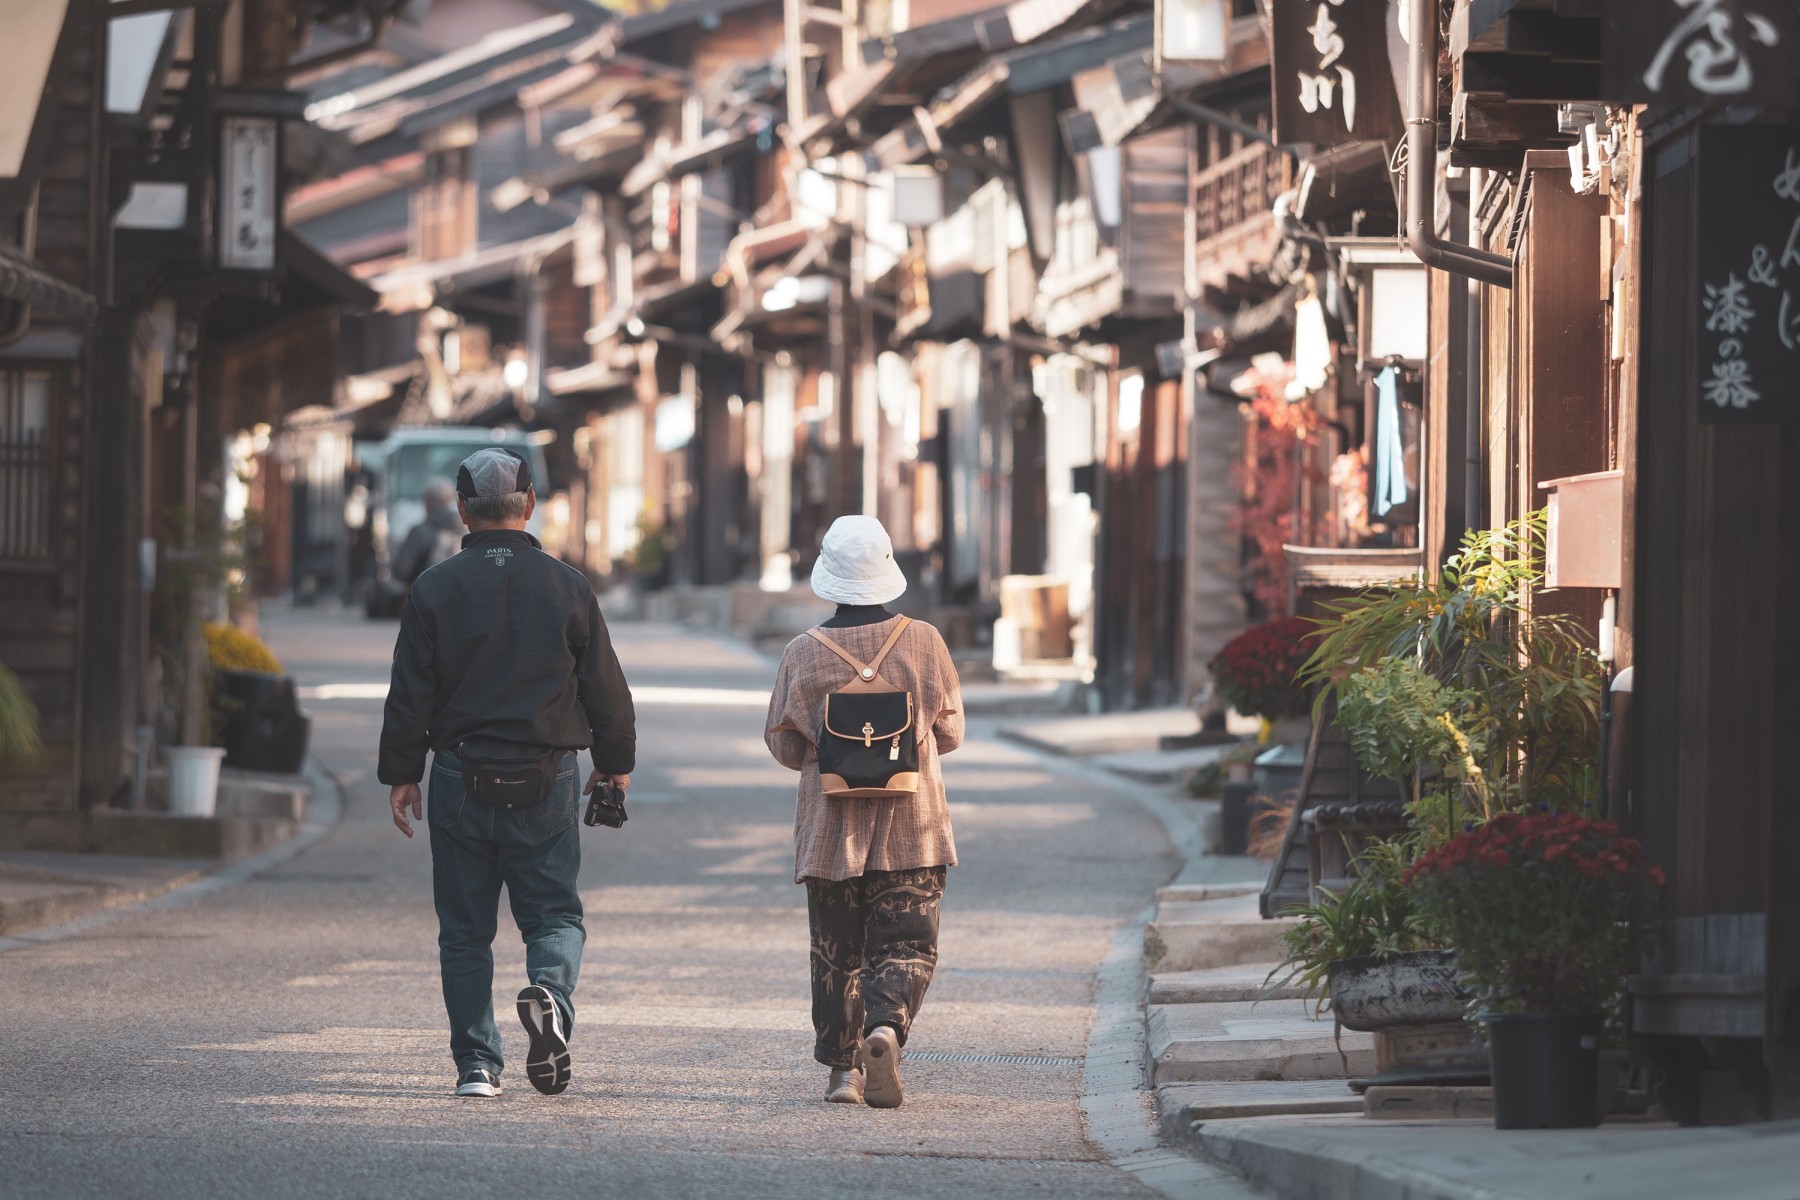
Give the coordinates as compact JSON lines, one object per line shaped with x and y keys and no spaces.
{"x":279,"y":1031}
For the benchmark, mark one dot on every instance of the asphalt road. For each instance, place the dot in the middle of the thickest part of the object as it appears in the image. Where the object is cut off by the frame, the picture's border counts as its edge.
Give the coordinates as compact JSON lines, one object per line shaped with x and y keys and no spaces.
{"x":285,"y":1037}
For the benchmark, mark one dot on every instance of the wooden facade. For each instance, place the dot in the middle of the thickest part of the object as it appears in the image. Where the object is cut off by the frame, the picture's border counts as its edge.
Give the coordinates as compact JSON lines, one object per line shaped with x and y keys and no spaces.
{"x":125,"y":373}
{"x":1611,"y":351}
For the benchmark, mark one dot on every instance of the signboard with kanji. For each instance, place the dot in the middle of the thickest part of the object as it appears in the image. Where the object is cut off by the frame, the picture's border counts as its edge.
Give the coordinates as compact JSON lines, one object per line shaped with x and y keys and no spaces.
{"x":1747,"y":294}
{"x":1330,"y":72}
{"x":1701,"y":51}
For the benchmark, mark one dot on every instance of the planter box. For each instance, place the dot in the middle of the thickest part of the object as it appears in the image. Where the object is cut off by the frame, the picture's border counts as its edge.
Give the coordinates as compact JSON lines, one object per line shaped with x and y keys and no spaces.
{"x":264,"y":728}
{"x":1377,"y":994}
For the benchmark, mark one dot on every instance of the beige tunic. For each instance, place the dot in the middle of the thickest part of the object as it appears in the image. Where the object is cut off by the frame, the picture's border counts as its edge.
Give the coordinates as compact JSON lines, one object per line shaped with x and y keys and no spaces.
{"x":849,"y":836}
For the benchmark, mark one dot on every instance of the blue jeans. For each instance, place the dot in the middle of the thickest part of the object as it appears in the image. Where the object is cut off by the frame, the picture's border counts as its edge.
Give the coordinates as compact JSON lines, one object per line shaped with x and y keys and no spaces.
{"x":536,"y":853}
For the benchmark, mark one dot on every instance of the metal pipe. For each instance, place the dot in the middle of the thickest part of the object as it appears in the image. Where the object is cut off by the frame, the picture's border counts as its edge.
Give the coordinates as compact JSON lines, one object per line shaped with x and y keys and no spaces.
{"x":1474,"y":368}
{"x":1421,"y":164}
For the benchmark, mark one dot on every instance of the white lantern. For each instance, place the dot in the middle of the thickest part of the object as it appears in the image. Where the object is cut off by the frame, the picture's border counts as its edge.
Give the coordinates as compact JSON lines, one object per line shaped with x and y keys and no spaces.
{"x":1192,"y":31}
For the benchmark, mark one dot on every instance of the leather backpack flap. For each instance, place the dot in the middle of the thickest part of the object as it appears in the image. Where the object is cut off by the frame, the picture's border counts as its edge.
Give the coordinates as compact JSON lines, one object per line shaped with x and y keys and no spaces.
{"x":868,"y":717}
{"x":868,"y":731}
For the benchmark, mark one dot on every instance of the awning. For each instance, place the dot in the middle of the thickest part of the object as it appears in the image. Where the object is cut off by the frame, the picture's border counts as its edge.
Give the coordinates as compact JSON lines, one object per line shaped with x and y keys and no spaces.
{"x":413,"y":286}
{"x":595,"y":380}
{"x":23,"y":281}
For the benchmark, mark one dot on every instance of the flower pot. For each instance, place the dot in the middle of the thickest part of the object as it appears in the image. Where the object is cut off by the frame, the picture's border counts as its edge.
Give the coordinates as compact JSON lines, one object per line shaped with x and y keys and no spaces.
{"x":1293,"y":731}
{"x":264,"y":729}
{"x":1546,"y":1069}
{"x":1375,"y":994}
{"x":194,"y":780}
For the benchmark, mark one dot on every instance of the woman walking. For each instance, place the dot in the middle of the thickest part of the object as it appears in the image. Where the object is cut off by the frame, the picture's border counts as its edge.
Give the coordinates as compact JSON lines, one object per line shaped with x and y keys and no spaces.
{"x":872,"y":858}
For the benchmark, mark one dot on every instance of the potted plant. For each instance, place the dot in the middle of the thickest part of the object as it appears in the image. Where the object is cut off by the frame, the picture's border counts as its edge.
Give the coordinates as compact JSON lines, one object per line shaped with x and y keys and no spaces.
{"x":254,"y":705}
{"x":1536,"y":907}
{"x":1365,"y":950}
{"x":199,"y":566}
{"x":1256,"y":671}
{"x":1372,"y":919}
{"x":1500,"y":704}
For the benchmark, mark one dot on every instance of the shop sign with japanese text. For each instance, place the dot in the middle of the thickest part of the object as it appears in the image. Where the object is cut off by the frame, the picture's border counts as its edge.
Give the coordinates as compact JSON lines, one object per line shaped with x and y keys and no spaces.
{"x":1701,"y":51}
{"x":1331,"y":76}
{"x":1747,"y":299}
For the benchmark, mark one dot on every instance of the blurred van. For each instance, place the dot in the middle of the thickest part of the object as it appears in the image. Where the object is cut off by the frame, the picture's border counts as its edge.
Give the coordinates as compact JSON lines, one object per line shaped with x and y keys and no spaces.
{"x":402,"y":466}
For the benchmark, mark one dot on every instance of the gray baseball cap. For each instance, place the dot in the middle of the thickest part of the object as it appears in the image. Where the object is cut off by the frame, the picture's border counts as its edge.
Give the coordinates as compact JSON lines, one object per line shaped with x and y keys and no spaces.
{"x":492,"y":471}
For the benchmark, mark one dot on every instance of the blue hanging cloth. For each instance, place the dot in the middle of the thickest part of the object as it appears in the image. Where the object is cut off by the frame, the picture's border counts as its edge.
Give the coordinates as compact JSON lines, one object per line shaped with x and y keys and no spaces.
{"x":1390,"y":451}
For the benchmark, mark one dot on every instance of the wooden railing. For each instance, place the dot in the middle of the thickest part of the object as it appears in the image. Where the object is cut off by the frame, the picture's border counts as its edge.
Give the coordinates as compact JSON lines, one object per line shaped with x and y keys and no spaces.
{"x":1239,"y":188}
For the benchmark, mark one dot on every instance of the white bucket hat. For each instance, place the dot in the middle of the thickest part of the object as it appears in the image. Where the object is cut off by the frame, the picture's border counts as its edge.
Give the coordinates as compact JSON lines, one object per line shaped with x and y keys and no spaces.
{"x":856,"y":564}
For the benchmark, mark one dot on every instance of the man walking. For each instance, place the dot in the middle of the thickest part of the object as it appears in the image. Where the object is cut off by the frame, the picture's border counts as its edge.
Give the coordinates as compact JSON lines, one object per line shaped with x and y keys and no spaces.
{"x":504,"y":669}
{"x":434,"y":539}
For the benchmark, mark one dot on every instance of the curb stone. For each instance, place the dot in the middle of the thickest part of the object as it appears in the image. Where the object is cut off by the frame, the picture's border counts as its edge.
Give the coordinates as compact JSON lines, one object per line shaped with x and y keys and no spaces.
{"x":322,"y":816}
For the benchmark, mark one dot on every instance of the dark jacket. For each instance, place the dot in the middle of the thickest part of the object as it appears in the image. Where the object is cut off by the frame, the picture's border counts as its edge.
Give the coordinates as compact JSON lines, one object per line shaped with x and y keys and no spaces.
{"x":504,"y":644}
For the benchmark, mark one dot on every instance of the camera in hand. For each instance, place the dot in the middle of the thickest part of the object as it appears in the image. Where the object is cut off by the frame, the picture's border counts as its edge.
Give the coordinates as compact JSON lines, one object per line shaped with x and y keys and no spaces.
{"x":607,"y":807}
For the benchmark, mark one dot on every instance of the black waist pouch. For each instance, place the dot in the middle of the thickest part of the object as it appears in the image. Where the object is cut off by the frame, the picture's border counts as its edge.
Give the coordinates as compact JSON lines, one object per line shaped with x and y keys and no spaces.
{"x":509,"y":778}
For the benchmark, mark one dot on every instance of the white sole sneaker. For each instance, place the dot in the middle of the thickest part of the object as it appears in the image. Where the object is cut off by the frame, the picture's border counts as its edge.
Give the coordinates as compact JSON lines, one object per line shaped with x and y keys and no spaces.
{"x":547,"y":1065}
{"x":478,"y":1087}
{"x":880,"y":1061}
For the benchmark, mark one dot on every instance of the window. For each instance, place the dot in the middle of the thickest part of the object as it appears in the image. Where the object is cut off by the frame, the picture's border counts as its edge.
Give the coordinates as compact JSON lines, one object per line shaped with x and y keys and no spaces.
{"x":26,"y":472}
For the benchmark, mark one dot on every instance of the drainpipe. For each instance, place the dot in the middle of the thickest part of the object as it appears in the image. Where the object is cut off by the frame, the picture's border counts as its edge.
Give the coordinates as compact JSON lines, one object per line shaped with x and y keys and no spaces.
{"x":1422,"y":167}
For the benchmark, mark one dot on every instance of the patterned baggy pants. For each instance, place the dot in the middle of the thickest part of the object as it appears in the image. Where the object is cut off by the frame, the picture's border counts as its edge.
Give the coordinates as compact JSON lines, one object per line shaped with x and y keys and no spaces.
{"x":874,"y":947}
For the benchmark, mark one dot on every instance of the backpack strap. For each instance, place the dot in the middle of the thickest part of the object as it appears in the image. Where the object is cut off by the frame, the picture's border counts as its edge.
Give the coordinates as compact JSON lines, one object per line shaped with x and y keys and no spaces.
{"x":881,"y":654}
{"x":864,"y":671}
{"x":856,"y":664}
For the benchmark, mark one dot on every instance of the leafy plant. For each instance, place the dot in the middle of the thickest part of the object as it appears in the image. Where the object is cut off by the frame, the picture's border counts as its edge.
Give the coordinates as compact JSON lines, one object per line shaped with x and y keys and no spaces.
{"x":1536,"y":906}
{"x":201,"y":565}
{"x":1520,"y":689}
{"x":1399,"y":720}
{"x":1373,"y":917}
{"x":18,"y":721}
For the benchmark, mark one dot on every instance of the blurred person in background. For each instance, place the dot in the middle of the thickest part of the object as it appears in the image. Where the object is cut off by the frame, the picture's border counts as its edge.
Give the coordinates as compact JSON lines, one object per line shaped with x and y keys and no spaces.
{"x":437,"y":537}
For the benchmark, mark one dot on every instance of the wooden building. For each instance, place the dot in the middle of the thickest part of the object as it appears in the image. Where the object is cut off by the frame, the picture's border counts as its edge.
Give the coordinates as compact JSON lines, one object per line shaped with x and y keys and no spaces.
{"x":1609,"y":331}
{"x":154,"y":305}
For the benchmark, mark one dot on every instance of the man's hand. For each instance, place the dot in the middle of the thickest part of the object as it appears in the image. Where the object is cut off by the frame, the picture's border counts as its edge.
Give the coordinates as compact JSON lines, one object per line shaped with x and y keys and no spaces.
{"x":619,"y":781}
{"x":401,"y":797}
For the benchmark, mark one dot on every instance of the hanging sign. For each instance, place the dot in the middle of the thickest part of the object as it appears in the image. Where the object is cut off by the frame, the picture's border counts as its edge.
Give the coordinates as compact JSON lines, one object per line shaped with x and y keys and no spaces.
{"x":1700,"y":51}
{"x":1747,"y":293}
{"x":249,"y":176}
{"x":1331,"y":77}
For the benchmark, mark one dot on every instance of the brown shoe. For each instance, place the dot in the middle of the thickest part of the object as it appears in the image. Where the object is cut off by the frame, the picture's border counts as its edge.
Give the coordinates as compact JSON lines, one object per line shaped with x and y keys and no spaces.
{"x":845,"y":1086}
{"x":880,"y":1059}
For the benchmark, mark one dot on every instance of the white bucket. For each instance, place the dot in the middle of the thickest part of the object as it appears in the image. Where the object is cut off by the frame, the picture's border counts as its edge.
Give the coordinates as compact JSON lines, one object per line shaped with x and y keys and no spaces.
{"x":194,"y":780}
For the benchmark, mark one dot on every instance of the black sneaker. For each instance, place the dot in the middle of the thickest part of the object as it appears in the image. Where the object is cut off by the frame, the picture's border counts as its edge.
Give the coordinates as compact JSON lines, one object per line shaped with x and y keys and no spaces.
{"x":478,"y":1081}
{"x":547,"y":1066}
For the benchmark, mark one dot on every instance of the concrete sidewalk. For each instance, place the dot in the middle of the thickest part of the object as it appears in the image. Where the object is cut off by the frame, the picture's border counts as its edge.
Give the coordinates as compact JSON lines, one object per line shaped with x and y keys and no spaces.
{"x":143,"y":855}
{"x":1256,"y":1082}
{"x":41,"y":888}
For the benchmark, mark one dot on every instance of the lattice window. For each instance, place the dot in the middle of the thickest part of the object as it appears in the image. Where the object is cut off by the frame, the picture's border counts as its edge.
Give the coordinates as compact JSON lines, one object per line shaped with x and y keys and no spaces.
{"x":27,"y":473}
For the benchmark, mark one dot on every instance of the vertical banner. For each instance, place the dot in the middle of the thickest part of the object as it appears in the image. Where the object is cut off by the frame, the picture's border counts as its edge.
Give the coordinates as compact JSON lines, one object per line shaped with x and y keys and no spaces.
{"x":1747,"y":291}
{"x":1331,"y":76}
{"x":1700,"y":51}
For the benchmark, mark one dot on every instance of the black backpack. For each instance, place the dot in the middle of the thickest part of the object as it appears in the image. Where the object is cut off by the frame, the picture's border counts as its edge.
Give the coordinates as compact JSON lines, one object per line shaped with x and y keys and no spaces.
{"x":867,"y":747}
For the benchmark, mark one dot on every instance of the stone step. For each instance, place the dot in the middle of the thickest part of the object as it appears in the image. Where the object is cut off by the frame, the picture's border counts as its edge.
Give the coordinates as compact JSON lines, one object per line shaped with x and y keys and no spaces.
{"x":1274,"y":1039}
{"x":1183,"y":1107}
{"x":1177,"y":893}
{"x":1238,"y":982}
{"x":1429,"y":1103}
{"x":1191,"y":935}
